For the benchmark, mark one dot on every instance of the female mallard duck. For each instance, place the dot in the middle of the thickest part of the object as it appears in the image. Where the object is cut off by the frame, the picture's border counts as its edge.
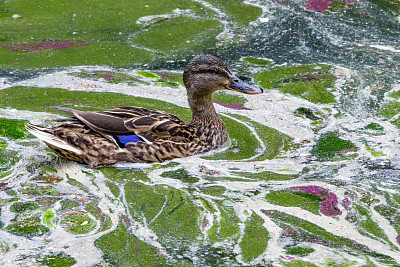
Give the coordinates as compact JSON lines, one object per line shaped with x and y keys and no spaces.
{"x":134,"y":134}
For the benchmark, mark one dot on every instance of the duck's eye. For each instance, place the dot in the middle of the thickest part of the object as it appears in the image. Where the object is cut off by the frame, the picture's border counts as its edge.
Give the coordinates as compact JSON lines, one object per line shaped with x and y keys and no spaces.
{"x":235,"y":80}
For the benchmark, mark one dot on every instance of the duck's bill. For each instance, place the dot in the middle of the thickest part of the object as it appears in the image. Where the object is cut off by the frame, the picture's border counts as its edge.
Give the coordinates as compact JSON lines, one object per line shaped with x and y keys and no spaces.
{"x":243,"y":87}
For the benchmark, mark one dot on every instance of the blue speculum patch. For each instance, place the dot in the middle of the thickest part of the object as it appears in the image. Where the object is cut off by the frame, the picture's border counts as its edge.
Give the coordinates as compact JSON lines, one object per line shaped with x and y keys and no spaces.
{"x":124,"y":139}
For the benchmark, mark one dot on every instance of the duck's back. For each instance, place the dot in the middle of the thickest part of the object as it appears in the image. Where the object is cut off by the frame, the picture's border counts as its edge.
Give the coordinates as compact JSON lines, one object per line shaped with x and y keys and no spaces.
{"x":127,"y":134}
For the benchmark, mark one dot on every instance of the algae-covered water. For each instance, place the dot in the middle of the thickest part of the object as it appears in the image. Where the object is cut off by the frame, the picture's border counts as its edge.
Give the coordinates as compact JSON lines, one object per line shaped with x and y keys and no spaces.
{"x":311,"y":177}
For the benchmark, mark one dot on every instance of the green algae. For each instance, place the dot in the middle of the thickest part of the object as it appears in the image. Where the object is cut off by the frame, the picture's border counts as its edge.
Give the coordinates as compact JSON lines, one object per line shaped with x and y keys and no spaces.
{"x":106,"y":33}
{"x":11,"y":193}
{"x":77,"y":184}
{"x":168,"y":84}
{"x":266,"y":176}
{"x":259,"y":62}
{"x":6,"y":201}
{"x":113,"y":188}
{"x":104,"y":219}
{"x":316,"y":123}
{"x":295,"y":199}
{"x":299,"y":251}
{"x":346,"y":263}
{"x":274,"y":141}
{"x":306,"y":231}
{"x":90,"y":175}
{"x":40,"y":99}
{"x":306,"y":112}
{"x":104,"y":53}
{"x":392,"y":214}
{"x":24,"y":207}
{"x":68,"y":204}
{"x":227,"y":229}
{"x":337,"y":6}
{"x":170,"y":165}
{"x":165,"y":165}
{"x":137,"y":195}
{"x":310,"y":82}
{"x":14,"y":129}
{"x":28,"y":225}
{"x":217,"y":178}
{"x":171,"y":213}
{"x":46,"y":202}
{"x":36,"y":190}
{"x":298,"y":263}
{"x":214,"y":190}
{"x":78,"y":222}
{"x":245,"y":145}
{"x":57,"y":260}
{"x":395,"y":95}
{"x":48,"y":218}
{"x":181,"y":174}
{"x":374,"y":152}
{"x":3,"y":144}
{"x":47,"y":179}
{"x":8,"y":159}
{"x":227,"y":98}
{"x":240,"y":12}
{"x":367,"y":226}
{"x":389,"y":110}
{"x":255,"y":238}
{"x":183,"y":34}
{"x":129,"y":250}
{"x":374,"y":127}
{"x":148,"y":74}
{"x":391,"y":6}
{"x":330,"y":145}
{"x":4,"y":246}
{"x":122,"y":175}
{"x":91,"y":22}
{"x":391,"y":211}
{"x":170,"y":76}
{"x":222,"y":256}
{"x":47,"y":169}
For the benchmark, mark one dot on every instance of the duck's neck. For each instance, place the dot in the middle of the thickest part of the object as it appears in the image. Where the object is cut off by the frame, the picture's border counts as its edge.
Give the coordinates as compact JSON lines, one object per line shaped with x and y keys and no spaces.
{"x":202,"y":107}
{"x":210,"y":128}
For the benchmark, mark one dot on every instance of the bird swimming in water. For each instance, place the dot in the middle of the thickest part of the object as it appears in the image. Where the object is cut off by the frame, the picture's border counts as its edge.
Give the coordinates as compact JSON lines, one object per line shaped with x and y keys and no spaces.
{"x":135,"y":134}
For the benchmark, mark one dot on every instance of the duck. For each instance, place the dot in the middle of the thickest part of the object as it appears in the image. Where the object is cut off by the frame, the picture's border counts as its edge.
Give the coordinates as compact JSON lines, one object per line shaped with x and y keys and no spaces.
{"x":141,"y":135}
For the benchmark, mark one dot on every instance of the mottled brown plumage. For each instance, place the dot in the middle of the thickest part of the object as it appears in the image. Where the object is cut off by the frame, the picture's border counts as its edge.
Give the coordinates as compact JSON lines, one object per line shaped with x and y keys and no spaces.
{"x":92,"y":137}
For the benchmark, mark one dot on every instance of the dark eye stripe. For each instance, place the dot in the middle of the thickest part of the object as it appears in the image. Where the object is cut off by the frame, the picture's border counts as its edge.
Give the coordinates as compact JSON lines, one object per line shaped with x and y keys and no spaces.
{"x":213,"y":70}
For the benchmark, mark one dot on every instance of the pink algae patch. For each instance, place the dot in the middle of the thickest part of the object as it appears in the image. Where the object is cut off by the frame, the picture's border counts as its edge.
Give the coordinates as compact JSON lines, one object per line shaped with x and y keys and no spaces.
{"x":44,"y":45}
{"x":328,"y":206}
{"x":398,"y":239}
{"x":319,"y":5}
{"x":108,"y":77}
{"x":233,"y":106}
{"x":346,"y":203}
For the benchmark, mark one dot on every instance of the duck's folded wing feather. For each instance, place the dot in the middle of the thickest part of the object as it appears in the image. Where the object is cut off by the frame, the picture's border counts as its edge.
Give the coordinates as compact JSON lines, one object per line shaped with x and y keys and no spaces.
{"x":100,"y":122}
{"x":147,"y":123}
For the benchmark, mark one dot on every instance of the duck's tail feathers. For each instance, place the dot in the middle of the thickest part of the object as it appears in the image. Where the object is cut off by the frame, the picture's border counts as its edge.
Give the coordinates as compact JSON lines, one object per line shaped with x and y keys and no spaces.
{"x":47,"y":136}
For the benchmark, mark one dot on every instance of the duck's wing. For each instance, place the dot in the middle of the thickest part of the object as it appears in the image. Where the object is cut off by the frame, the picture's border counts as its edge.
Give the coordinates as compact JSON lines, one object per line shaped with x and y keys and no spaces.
{"x":148,"y":124}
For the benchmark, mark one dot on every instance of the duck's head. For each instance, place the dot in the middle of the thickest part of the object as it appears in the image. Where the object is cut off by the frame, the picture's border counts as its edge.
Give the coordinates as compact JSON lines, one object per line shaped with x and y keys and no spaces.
{"x":206,"y":74}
